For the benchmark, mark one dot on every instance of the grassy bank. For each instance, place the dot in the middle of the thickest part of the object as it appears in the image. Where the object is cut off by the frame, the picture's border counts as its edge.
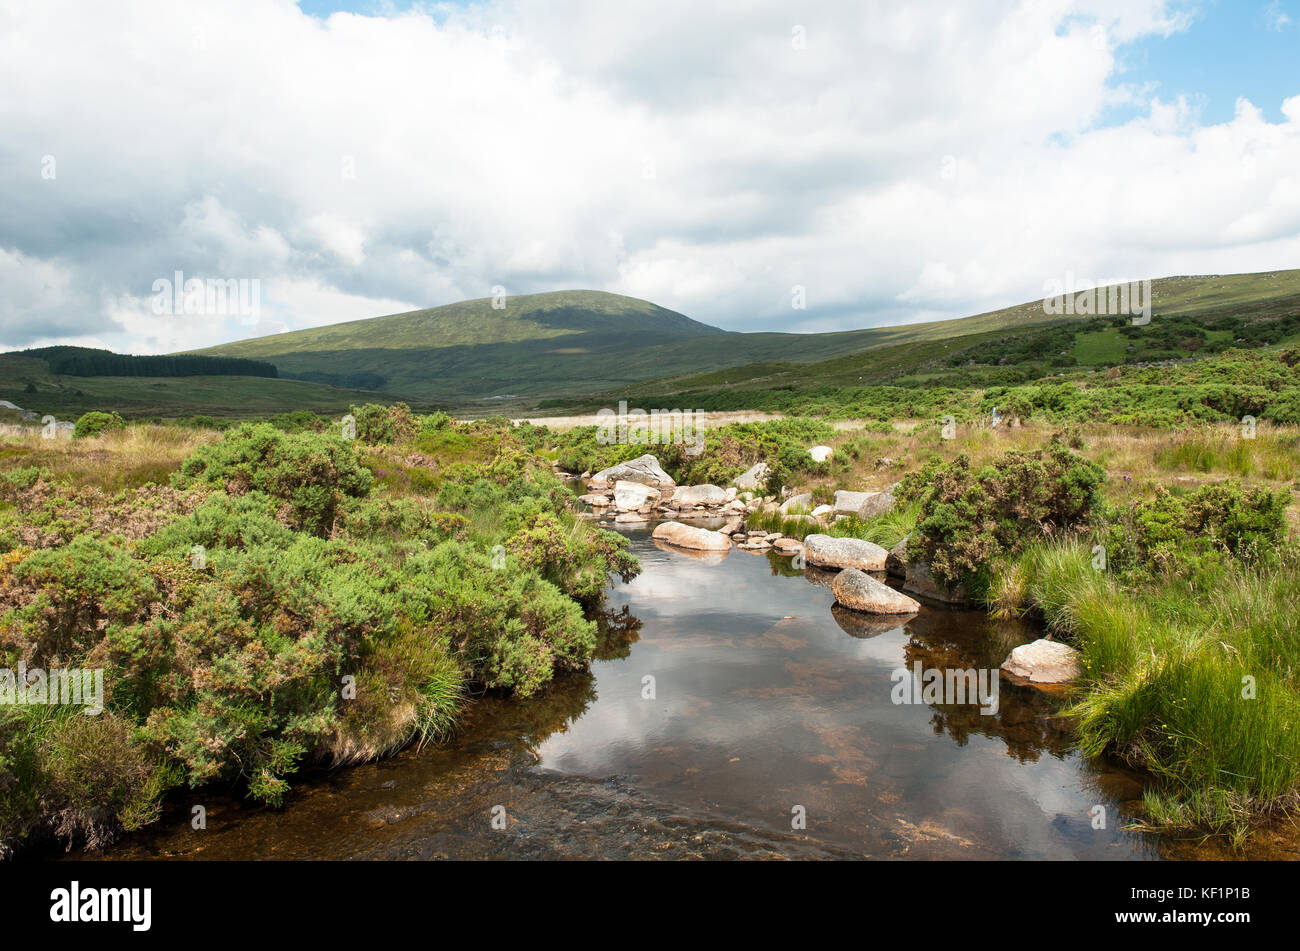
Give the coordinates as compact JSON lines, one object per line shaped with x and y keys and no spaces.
{"x":263,"y":599}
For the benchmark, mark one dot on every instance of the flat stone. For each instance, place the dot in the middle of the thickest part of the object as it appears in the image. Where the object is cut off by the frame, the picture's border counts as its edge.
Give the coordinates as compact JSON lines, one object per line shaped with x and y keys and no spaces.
{"x":861,"y":592}
{"x":700,"y":495}
{"x":1044,"y":662}
{"x":827,"y":552}
{"x":688,"y":536}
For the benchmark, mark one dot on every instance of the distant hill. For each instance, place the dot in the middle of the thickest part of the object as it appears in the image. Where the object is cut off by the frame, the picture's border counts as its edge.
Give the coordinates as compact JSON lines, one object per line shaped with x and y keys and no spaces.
{"x":571,"y":343}
{"x":570,"y":347}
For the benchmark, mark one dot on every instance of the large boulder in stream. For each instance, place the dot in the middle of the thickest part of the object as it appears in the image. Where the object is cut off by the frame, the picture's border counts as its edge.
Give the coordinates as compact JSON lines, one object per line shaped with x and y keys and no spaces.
{"x":644,"y":469}
{"x":824,"y":551}
{"x":687,"y":536}
{"x":1044,"y":662}
{"x":629,"y":496}
{"x":861,"y":592}
{"x":701,"y":495}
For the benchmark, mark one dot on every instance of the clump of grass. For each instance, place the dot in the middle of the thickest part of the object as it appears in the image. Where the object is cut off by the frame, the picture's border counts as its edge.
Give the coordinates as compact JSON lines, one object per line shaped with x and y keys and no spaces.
{"x":1201,"y":687}
{"x":1269,"y":455}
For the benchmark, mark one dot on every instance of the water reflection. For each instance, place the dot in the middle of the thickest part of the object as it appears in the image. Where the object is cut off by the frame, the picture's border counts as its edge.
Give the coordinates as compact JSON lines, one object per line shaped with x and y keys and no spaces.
{"x":725,"y":694}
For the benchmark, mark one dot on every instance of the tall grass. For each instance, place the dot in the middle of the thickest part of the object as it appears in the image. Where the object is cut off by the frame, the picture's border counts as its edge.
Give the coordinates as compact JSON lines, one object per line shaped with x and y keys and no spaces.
{"x":1270,"y":455}
{"x":886,"y":530}
{"x":1200,"y":687}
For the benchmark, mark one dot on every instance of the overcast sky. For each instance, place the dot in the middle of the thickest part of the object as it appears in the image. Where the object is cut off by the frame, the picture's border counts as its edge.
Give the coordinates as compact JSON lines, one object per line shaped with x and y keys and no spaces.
{"x":899,"y":161}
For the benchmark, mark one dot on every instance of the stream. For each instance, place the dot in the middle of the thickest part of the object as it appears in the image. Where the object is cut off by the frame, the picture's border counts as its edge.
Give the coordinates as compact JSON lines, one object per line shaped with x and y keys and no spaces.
{"x":732,"y":712}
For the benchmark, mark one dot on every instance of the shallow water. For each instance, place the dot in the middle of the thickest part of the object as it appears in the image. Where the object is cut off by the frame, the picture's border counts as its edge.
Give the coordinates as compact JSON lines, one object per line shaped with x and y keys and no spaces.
{"x":766,"y":704}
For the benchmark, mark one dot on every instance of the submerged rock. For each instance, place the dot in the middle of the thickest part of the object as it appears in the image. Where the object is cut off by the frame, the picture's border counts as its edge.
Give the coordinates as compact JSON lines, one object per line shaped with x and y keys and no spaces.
{"x":861,"y":592}
{"x":1044,"y":662}
{"x":827,"y":552}
{"x":687,"y":536}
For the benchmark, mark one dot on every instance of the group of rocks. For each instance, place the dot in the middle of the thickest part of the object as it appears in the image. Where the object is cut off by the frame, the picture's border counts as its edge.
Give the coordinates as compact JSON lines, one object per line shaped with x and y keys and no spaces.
{"x":639,"y":490}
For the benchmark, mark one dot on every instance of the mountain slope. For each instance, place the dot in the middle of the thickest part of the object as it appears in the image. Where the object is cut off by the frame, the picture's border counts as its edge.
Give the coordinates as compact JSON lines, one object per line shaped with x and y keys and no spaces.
{"x":570,"y":343}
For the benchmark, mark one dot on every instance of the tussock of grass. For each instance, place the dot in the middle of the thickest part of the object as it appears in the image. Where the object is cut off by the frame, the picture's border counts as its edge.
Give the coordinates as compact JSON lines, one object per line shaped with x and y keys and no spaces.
{"x":127,"y":458}
{"x":1200,"y":687}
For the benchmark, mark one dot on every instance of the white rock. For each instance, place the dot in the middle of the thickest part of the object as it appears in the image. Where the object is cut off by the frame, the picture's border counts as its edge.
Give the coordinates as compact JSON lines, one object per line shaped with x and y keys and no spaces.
{"x":633,"y":495}
{"x":877,"y":503}
{"x":823,"y":551}
{"x":700,"y":495}
{"x":861,"y":592}
{"x":688,"y":536}
{"x":1044,"y":662}
{"x":644,"y":469}
{"x":848,"y":503}
{"x":754,"y":478}
{"x":820,"y":453}
{"x":801,"y":501}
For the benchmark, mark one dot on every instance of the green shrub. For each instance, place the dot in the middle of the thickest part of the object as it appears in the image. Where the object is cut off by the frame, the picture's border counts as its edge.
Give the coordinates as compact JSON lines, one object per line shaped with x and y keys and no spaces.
{"x":312,"y":473}
{"x":1186,"y":534}
{"x":95,"y":422}
{"x":512,"y":629}
{"x":968,"y":519}
{"x":384,"y":424}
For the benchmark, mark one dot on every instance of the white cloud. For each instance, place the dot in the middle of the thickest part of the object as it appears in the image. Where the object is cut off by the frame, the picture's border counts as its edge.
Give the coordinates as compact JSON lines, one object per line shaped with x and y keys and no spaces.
{"x":917,"y":160}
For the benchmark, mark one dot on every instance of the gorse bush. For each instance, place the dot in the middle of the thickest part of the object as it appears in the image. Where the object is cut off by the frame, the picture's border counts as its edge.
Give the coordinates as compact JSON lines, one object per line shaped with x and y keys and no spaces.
{"x":94,"y":423}
{"x":273,"y":609}
{"x":967,"y":519}
{"x":312,"y":473}
{"x":384,"y":424}
{"x":1185,"y":534}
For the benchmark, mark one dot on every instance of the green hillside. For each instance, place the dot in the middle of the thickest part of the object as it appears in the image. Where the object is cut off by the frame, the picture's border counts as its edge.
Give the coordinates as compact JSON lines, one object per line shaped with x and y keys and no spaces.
{"x":570,"y":348}
{"x":1193,"y":318}
{"x":567,"y":344}
{"x":28,"y":381}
